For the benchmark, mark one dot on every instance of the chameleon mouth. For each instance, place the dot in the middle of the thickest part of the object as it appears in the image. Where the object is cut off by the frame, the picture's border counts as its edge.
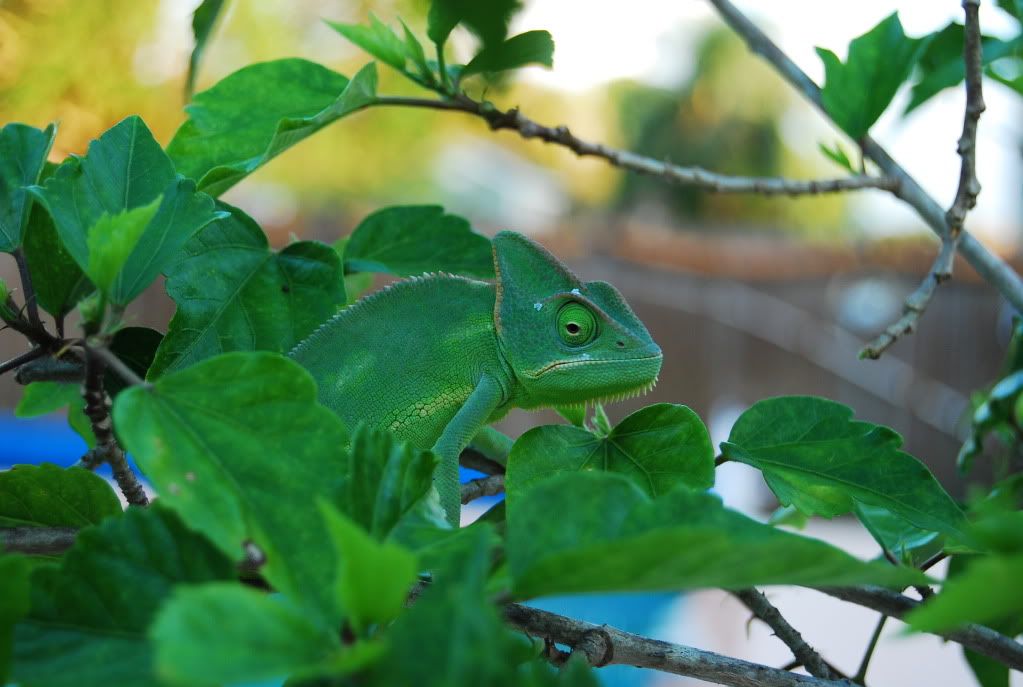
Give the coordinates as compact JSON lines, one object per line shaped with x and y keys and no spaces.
{"x":595,"y":361}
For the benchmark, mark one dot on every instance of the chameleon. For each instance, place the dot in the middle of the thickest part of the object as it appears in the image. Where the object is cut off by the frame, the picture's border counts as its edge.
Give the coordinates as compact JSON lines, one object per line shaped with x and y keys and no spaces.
{"x":436,"y":358}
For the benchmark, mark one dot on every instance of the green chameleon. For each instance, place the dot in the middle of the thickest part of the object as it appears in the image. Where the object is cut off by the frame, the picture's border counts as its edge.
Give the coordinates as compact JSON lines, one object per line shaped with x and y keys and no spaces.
{"x":437,"y":358}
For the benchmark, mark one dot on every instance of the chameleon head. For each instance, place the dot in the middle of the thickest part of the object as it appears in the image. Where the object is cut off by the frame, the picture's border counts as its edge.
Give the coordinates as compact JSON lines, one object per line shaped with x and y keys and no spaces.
{"x":567,"y":341}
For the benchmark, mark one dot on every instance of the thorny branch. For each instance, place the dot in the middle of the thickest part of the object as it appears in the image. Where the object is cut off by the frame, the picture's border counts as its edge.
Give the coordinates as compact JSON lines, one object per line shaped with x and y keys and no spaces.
{"x":514,"y":120}
{"x":966,"y":194}
{"x":758,"y":604}
{"x":604,"y":645}
{"x":97,"y":409}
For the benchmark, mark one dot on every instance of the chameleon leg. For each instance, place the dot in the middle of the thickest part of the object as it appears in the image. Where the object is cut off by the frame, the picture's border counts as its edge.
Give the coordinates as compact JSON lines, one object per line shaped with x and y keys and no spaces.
{"x":463,"y":427}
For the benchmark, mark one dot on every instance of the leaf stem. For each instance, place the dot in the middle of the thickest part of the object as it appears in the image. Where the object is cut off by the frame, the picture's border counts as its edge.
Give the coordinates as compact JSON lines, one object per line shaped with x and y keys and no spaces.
{"x":861,"y":672}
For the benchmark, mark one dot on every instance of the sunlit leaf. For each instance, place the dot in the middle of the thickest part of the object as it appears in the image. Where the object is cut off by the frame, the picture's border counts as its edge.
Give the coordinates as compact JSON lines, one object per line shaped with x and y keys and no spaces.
{"x":988,"y":590}
{"x":377,"y":39}
{"x":110,"y":242}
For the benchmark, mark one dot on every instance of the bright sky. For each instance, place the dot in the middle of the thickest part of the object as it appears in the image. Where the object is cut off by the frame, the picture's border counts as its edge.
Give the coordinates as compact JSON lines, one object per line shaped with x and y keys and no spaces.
{"x":602,"y":40}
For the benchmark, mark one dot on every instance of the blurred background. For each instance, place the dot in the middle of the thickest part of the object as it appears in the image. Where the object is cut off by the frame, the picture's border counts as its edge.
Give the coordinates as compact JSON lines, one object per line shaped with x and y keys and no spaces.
{"x":749,"y":297}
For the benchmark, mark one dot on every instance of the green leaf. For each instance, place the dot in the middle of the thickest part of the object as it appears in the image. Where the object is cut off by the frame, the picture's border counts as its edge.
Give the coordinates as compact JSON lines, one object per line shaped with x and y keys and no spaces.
{"x":387,"y":487}
{"x":58,"y":280}
{"x":475,"y":647}
{"x":414,"y":51}
{"x":204,"y":20}
{"x":14,"y":603}
{"x":373,"y":579}
{"x":23,"y":151}
{"x":206,"y":634}
{"x":987,"y":591}
{"x":610,"y":536}
{"x":258,"y":112}
{"x":988,"y":671}
{"x":941,"y":63}
{"x":857,"y":92}
{"x":1013,"y":7}
{"x":408,"y":240}
{"x":258,"y":299}
{"x":910,"y":545}
{"x":42,"y":398}
{"x":136,"y":347}
{"x":657,"y":447}
{"x":239,"y":448}
{"x":111,"y":240}
{"x":532,"y":47}
{"x":488,"y":20}
{"x":49,"y":496}
{"x":125,"y":169}
{"x":817,"y":458}
{"x":1015,"y":84}
{"x":377,"y":39}
{"x":89,"y":617}
{"x":837,"y":155}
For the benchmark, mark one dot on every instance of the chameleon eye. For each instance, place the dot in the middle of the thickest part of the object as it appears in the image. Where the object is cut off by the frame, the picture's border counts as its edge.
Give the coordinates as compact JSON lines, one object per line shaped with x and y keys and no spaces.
{"x":576,"y":324}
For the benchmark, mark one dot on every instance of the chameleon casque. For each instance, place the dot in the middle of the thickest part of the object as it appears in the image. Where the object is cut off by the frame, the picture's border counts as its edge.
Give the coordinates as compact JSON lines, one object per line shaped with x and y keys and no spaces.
{"x":437,"y":358}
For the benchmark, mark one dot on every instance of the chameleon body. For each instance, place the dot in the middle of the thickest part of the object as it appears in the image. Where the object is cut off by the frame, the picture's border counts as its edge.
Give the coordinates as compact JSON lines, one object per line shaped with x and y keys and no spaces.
{"x":437,"y":358}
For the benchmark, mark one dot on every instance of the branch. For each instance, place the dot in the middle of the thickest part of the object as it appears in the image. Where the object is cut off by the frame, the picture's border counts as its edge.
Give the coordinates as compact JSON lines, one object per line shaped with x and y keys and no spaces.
{"x":916,"y":303}
{"x":991,"y":268}
{"x":17,"y":361}
{"x":474,"y":460}
{"x":604,"y":645}
{"x":758,"y":604}
{"x":981,"y":639}
{"x":969,"y":185}
{"x":514,"y":120}
{"x":861,"y":672}
{"x":966,"y":194}
{"x":117,"y":365}
{"x":97,"y":409}
{"x":42,"y":541}
{"x":491,"y":485}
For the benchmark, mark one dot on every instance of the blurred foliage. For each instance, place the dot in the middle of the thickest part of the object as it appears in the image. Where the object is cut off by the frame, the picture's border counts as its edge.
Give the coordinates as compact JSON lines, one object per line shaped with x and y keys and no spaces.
{"x":724,"y":118}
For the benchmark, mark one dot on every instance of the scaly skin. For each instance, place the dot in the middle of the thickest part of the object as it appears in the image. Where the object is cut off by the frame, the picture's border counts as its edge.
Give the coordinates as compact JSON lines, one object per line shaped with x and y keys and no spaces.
{"x":437,"y":358}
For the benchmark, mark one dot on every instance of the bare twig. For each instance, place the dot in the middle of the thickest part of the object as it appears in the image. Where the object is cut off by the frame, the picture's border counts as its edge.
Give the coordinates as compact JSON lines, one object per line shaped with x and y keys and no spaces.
{"x":993,"y":269}
{"x":981,"y":639}
{"x":969,"y":185}
{"x":966,"y":194}
{"x":861,"y":672}
{"x":605,"y":645}
{"x":97,"y":409}
{"x":491,"y":485}
{"x":758,"y":604}
{"x":514,"y":120}
{"x":915,"y":304}
{"x":31,"y":306}
{"x":17,"y":361}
